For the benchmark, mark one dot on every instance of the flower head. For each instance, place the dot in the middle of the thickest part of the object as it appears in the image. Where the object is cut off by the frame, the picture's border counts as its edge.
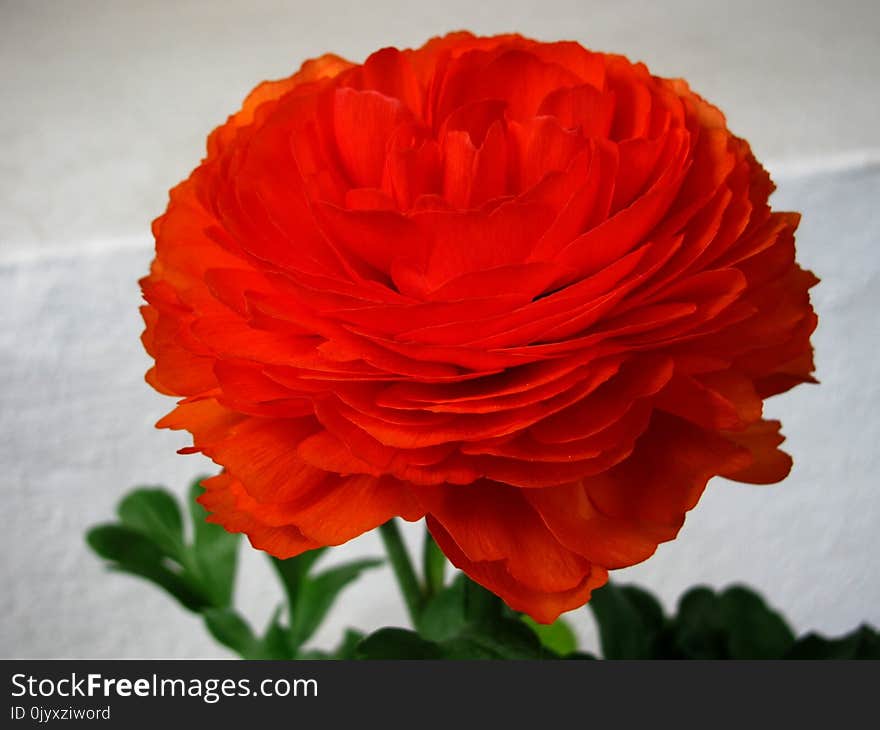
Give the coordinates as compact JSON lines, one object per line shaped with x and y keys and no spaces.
{"x":527,"y":291}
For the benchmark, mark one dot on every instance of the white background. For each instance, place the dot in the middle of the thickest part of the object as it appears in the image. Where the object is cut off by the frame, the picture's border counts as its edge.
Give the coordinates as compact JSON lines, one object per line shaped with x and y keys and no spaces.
{"x":105,"y":105}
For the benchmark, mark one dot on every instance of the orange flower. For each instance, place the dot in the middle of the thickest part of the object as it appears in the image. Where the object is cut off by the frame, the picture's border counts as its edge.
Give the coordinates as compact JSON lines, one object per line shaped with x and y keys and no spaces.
{"x":527,"y":291}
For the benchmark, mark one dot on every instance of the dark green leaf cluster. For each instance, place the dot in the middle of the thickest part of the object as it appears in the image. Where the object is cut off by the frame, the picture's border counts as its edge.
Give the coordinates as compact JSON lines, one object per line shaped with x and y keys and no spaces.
{"x":465,"y":621}
{"x":732,"y":624}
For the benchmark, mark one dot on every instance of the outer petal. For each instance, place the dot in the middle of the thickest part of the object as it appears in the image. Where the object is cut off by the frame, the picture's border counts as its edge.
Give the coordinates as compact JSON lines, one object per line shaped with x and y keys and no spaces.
{"x":543,"y":607}
{"x":267,"y":486}
{"x":666,"y":474}
{"x":228,"y":502}
{"x":494,"y":522}
{"x":490,"y":531}
{"x":326,"y":66}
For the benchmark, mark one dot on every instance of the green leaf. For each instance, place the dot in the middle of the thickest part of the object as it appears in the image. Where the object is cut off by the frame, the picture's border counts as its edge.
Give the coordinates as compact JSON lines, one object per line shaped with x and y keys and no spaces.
{"x":231,"y":630}
{"x":123,"y":545}
{"x":866,"y":642}
{"x":155,"y":513}
{"x":646,"y":605}
{"x":402,"y":567}
{"x":293,"y":572}
{"x":275,"y":643}
{"x":469,"y":622}
{"x":313,"y":655}
{"x":480,"y":605}
{"x":309,"y":598}
{"x":505,"y":638}
{"x":469,"y":648}
{"x":433,"y":565}
{"x":754,"y":631}
{"x":630,"y":621}
{"x":348,"y":646}
{"x":346,"y":649}
{"x":317,"y":595}
{"x":736,"y":624}
{"x":444,"y":615}
{"x":132,"y":552}
{"x":698,"y":630}
{"x":863,"y":643}
{"x":558,"y":637}
{"x":214,"y":553}
{"x":394,"y":643}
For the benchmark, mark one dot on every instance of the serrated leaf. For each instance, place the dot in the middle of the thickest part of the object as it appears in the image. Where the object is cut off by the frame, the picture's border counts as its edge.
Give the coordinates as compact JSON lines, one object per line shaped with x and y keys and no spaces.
{"x":754,"y":631}
{"x":317,"y":594}
{"x":132,"y":552}
{"x":214,"y":554}
{"x":155,"y":513}
{"x":394,"y":643}
{"x":629,"y":619}
{"x":558,"y":637}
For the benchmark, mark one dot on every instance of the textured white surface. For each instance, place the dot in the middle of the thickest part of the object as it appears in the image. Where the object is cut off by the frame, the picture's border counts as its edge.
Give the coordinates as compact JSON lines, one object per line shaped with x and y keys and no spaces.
{"x":106,"y":104}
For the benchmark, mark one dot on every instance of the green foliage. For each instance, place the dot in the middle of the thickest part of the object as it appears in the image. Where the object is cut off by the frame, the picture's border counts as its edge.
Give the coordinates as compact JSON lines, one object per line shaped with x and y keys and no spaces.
{"x":735,"y":623}
{"x":558,"y":637}
{"x":154,"y":512}
{"x":231,"y":630}
{"x":630,"y":622}
{"x":863,"y":643}
{"x":310,"y":597}
{"x":214,"y":555}
{"x":131,"y":552}
{"x":149,"y":541}
{"x":459,"y":620}
{"x":346,"y":648}
{"x":433,"y":566}
{"x":394,"y":643}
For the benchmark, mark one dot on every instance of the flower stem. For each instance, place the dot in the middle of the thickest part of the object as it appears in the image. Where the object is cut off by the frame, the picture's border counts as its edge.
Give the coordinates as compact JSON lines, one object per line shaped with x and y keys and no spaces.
{"x":403,"y":569}
{"x":434,"y":565}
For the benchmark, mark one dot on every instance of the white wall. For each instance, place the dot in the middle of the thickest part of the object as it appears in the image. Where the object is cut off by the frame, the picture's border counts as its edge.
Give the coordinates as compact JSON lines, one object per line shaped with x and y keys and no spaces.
{"x":105,"y":105}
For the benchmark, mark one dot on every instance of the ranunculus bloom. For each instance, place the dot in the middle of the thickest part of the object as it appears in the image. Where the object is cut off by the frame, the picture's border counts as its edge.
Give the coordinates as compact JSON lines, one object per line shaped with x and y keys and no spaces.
{"x":529,"y":292}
